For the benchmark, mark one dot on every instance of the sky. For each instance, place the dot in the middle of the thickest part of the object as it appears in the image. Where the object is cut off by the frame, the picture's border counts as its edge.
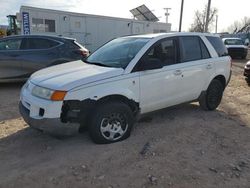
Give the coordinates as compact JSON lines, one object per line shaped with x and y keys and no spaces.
{"x":228,"y":11}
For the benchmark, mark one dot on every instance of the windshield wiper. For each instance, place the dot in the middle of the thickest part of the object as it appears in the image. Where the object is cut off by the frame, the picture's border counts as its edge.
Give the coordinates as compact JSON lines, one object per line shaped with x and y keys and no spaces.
{"x":96,"y":63}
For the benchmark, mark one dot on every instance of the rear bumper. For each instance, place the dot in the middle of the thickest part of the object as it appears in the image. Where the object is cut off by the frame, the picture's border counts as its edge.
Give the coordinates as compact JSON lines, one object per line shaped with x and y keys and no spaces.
{"x":50,"y":125}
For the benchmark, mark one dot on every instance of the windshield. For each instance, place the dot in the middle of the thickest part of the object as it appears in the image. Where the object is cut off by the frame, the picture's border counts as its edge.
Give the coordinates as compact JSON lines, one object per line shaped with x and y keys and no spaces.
{"x":233,"y":42}
{"x":118,"y":52}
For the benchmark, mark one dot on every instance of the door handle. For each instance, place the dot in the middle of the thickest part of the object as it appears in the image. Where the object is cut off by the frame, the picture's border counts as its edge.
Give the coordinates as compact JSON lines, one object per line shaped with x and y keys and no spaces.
{"x":177,"y":72}
{"x":209,"y":66}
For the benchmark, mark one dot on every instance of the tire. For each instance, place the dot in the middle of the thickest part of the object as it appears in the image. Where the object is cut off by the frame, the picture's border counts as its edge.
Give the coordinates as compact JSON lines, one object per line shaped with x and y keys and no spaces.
{"x":244,"y":57}
{"x":111,"y":122}
{"x":247,"y":80}
{"x":211,"y":99}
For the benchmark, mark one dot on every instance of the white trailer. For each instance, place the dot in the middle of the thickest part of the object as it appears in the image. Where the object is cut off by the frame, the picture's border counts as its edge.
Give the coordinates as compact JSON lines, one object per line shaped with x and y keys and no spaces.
{"x":90,"y":30}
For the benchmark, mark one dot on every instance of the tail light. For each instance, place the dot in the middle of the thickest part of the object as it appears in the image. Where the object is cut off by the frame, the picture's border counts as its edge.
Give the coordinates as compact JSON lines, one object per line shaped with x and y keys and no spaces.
{"x":84,"y":53}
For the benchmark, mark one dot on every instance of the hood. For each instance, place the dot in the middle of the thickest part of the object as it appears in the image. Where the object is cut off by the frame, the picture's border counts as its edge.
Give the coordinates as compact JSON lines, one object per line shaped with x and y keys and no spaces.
{"x":70,"y":75}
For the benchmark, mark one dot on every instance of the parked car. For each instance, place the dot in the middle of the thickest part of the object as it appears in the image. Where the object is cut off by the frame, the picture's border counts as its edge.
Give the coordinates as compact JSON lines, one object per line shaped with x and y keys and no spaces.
{"x":126,"y":77}
{"x":20,"y":56}
{"x":236,"y":47}
{"x":247,"y":72}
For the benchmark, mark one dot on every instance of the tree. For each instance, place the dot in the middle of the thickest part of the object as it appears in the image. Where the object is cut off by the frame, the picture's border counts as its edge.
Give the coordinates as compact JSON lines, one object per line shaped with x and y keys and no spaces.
{"x":240,"y":26}
{"x":200,"y":20}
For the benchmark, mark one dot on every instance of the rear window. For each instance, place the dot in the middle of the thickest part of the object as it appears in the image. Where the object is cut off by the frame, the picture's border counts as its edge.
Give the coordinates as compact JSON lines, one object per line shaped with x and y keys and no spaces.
{"x":218,"y":45}
{"x":233,"y":42}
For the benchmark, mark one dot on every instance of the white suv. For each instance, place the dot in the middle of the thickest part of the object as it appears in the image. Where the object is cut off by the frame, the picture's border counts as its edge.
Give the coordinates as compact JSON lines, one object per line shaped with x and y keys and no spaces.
{"x":124,"y":78}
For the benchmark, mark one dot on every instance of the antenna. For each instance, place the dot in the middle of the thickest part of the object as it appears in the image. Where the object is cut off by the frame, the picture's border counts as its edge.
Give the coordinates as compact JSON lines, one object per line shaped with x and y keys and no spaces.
{"x":167,"y":13}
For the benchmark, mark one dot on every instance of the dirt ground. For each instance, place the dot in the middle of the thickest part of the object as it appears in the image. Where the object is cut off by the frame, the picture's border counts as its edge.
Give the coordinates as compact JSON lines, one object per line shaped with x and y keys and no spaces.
{"x":179,"y":147}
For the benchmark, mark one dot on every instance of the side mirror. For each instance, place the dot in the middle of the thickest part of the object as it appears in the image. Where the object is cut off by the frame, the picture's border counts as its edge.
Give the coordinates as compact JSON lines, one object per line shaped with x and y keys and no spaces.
{"x":150,"y":64}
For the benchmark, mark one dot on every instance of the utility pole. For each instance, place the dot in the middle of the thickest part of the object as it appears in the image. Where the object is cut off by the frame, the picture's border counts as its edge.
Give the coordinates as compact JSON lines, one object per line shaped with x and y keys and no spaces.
{"x":216,"y":24}
{"x":207,"y":18}
{"x":180,"y":23}
{"x":167,"y":13}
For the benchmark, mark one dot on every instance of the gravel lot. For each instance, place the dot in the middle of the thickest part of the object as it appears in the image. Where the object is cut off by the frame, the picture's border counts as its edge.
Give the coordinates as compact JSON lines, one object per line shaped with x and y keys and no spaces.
{"x":181,"y":146}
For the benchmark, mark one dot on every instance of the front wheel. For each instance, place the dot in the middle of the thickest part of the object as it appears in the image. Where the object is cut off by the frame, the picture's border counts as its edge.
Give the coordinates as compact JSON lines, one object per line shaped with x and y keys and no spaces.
{"x":111,"y":122}
{"x":212,"y":97}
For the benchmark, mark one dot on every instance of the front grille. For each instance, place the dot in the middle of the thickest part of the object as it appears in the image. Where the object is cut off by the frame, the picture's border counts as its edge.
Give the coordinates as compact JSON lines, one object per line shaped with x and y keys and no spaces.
{"x":236,"y":50}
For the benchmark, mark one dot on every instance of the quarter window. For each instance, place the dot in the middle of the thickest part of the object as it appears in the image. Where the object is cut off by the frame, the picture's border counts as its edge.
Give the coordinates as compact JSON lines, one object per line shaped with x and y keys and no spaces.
{"x":204,"y":51}
{"x":218,"y":45}
{"x":13,"y":44}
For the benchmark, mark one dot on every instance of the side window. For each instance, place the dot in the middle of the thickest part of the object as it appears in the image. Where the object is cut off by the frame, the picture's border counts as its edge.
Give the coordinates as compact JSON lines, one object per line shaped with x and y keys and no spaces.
{"x":190,"y":48}
{"x":38,"y":43}
{"x":204,"y":51}
{"x":164,"y":51}
{"x":11,"y":44}
{"x":218,"y":45}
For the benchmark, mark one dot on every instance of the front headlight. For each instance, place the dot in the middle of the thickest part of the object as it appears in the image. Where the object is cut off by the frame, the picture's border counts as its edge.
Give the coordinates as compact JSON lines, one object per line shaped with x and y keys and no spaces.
{"x":49,"y":94}
{"x":42,"y":92}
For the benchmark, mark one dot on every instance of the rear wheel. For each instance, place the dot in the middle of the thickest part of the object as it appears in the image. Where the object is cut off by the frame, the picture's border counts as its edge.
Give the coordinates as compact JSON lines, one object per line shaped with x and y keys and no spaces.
{"x":111,"y":122}
{"x":247,"y":80}
{"x":244,"y":57}
{"x":212,"y":97}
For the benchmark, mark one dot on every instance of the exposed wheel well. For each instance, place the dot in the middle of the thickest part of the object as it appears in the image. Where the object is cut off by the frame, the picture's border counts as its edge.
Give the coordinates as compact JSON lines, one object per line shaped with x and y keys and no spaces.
{"x":80,"y":111}
{"x":222,"y":79}
{"x":131,"y":103}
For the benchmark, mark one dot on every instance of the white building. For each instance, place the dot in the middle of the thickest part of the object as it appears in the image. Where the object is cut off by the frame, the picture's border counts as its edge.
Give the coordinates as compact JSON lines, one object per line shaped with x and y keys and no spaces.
{"x":90,"y":30}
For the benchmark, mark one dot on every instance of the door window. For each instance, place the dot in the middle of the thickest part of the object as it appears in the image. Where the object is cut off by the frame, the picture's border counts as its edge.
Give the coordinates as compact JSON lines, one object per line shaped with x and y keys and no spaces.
{"x":164,"y":52}
{"x":190,"y":48}
{"x":12,"y":44}
{"x":38,"y":43}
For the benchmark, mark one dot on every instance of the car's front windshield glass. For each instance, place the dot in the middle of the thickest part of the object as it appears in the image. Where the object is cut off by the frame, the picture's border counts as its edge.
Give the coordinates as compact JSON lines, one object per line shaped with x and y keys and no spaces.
{"x":118,"y":52}
{"x":233,"y":42}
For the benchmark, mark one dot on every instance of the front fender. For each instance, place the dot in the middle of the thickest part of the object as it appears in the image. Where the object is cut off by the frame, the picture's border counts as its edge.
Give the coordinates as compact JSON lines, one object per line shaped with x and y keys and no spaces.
{"x":127,"y":87}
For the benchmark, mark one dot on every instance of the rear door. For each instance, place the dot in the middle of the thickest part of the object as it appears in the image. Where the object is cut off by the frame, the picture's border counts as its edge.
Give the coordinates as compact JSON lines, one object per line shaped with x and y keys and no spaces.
{"x":38,"y":53}
{"x":10,"y":66}
{"x":196,"y":66}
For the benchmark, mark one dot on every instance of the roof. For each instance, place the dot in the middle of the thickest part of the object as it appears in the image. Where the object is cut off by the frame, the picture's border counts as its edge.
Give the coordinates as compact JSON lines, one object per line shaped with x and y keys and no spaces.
{"x":46,"y":36}
{"x":234,"y":38}
{"x":154,"y":35}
